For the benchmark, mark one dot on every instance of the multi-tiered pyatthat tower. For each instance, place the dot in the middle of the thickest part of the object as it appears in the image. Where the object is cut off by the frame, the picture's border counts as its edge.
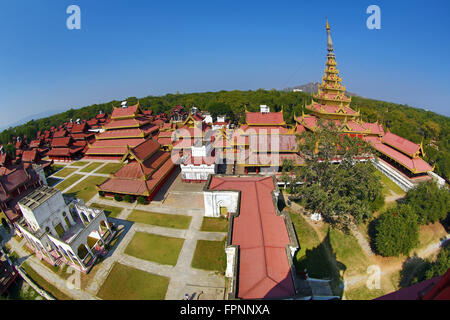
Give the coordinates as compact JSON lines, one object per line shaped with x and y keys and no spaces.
{"x":330,"y":102}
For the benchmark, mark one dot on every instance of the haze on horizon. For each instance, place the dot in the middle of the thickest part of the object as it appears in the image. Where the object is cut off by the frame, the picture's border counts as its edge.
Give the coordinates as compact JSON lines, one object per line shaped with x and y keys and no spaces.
{"x":151,"y":48}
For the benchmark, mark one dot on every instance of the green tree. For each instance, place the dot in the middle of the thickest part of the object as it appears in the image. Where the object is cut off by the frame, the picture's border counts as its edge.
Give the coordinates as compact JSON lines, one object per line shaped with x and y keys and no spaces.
{"x":396,"y":231}
{"x":429,"y":202}
{"x":11,"y":150}
{"x":345,"y":192}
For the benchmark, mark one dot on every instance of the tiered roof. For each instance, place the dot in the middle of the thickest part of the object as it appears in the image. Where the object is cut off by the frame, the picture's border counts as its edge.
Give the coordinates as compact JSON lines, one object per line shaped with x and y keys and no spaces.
{"x":129,"y":127}
{"x":402,"y":151}
{"x":330,"y":100}
{"x":146,"y":169}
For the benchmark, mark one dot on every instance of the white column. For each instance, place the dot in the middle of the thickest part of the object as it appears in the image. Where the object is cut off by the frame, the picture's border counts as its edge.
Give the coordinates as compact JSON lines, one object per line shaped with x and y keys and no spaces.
{"x":53,"y":231}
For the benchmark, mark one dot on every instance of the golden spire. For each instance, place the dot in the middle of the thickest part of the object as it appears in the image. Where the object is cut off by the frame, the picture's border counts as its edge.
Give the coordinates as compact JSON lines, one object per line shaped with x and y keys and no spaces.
{"x":329,"y":40}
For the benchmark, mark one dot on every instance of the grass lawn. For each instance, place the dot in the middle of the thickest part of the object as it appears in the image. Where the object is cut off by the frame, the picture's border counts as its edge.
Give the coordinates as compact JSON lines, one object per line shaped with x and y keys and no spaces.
{"x":389,"y":185}
{"x":52,"y":181}
{"x":126,"y":283}
{"x":214,"y":224}
{"x":91,"y":167}
{"x":210,"y":255}
{"x":430,"y":233}
{"x":44,"y":284}
{"x":348,"y":252}
{"x":65,"y":172}
{"x":57,"y":166}
{"x":152,"y":247}
{"x":388,"y":284}
{"x":79,"y":163}
{"x":160,"y":219}
{"x":110,"y":168}
{"x":110,"y":211}
{"x":312,"y":254}
{"x":68,"y":182}
{"x":86,"y":189}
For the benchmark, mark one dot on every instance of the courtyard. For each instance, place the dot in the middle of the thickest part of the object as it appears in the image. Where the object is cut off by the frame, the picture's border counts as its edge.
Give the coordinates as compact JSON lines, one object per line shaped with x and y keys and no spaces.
{"x":162,"y":243}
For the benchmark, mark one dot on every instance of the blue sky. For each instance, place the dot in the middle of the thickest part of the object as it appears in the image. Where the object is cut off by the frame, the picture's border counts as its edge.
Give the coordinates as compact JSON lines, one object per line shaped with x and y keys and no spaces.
{"x":139,"y":48}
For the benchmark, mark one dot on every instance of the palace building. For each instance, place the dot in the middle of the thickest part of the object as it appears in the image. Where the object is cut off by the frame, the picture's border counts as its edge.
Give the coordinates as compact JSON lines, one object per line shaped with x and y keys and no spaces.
{"x":63,"y":233}
{"x":16,"y":181}
{"x":129,"y":127}
{"x":399,"y":158}
{"x":261,"y":145}
{"x":145,"y":171}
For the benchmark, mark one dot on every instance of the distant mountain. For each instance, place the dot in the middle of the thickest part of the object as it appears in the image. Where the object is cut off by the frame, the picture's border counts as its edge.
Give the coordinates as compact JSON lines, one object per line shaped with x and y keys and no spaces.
{"x":312,"y":87}
{"x":36,"y":116}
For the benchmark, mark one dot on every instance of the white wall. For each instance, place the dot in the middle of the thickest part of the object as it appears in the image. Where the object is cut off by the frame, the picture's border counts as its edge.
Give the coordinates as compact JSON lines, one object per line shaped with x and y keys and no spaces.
{"x":215,"y":199}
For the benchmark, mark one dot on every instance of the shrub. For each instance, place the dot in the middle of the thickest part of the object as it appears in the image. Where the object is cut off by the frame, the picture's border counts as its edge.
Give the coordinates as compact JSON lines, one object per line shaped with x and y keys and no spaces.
{"x":142,"y":200}
{"x":117,"y":197}
{"x":429,"y":202}
{"x":396,"y":231}
{"x":128,"y":198}
{"x":101,"y":193}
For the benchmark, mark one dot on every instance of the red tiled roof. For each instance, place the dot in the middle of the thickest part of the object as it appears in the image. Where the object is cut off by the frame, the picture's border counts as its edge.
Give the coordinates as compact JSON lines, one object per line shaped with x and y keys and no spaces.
{"x":135,"y":170}
{"x":322,"y":108}
{"x":117,"y":143}
{"x":122,"y":133}
{"x":408,"y":147}
{"x":416,"y":165}
{"x":299,"y":129}
{"x":124,"y":112}
{"x":59,"y":152}
{"x":127,"y":123}
{"x":79,"y":128}
{"x":164,"y":141}
{"x":92,"y":122}
{"x":12,"y":178}
{"x":374,"y":128}
{"x":137,"y":186}
{"x":146,"y":149}
{"x":61,"y":142}
{"x":262,"y":130}
{"x":29,"y":156}
{"x":261,"y":235}
{"x":437,"y":288}
{"x":273,"y":143}
{"x":60,"y":133}
{"x":258,"y":118}
{"x":249,"y":158}
{"x":107,"y":151}
{"x":35,"y":143}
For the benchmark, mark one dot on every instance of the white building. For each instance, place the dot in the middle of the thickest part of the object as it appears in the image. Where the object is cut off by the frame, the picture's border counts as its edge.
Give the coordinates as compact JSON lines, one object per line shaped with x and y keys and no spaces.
{"x":57,"y":232}
{"x":199,"y":164}
{"x":220,"y":123}
{"x":207,"y":118}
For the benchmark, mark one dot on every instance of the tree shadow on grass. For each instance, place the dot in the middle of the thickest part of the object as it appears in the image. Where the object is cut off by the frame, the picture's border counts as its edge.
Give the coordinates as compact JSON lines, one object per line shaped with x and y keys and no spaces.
{"x":371,"y":231}
{"x":412,"y":268}
{"x":321,"y":263}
